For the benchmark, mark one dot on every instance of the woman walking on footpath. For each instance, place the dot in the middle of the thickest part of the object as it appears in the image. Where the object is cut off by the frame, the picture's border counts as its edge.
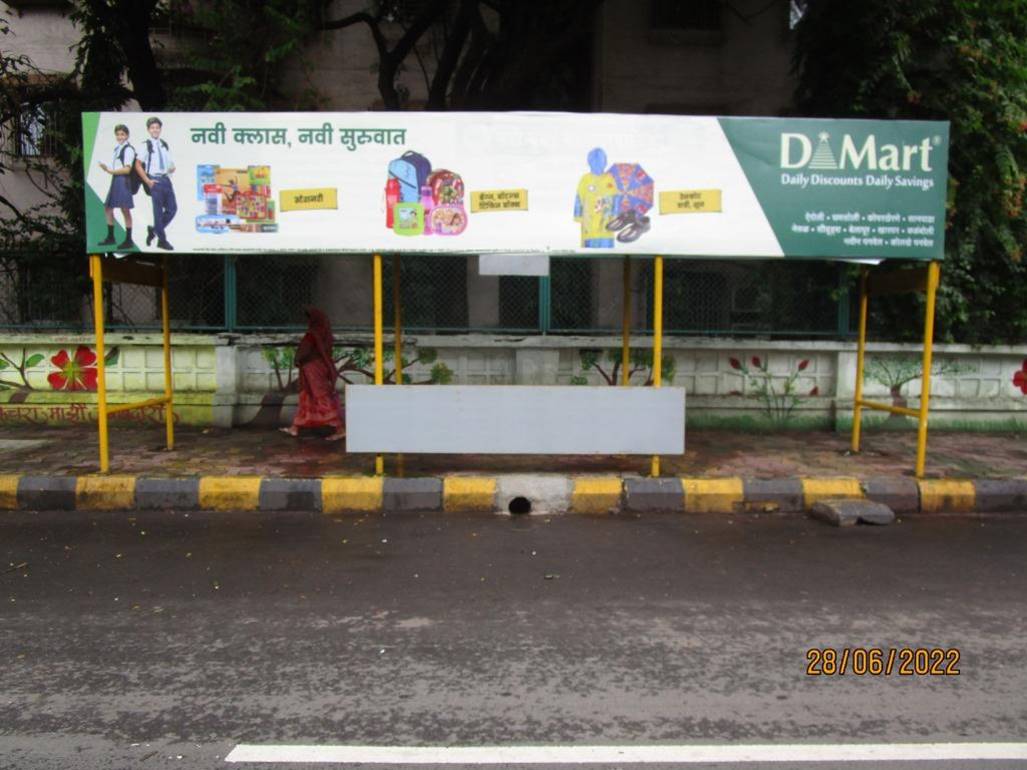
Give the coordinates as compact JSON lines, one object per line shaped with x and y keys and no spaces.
{"x":319,"y":401}
{"x":120,"y":194}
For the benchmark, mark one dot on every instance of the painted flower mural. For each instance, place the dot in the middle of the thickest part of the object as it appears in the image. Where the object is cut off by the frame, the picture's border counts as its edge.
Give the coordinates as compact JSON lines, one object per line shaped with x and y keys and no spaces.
{"x":78,"y":373}
{"x":1020,"y":378}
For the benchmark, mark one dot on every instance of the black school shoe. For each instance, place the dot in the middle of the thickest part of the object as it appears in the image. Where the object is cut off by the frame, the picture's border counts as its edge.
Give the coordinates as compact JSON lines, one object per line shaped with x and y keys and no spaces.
{"x":150,"y":235}
{"x":108,"y":241}
{"x":635,"y":230}
{"x":162,"y":244}
{"x":621,"y":221}
{"x":127,"y":245}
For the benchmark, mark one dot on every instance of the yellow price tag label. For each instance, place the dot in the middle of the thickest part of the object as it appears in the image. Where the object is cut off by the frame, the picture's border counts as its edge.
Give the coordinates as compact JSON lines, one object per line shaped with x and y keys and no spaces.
{"x":690,"y":202}
{"x":499,"y":200}
{"x":309,"y":200}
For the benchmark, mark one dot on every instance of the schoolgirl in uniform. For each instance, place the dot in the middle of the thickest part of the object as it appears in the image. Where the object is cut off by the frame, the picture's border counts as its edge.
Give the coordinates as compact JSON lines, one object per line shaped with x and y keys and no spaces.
{"x":120,"y":194}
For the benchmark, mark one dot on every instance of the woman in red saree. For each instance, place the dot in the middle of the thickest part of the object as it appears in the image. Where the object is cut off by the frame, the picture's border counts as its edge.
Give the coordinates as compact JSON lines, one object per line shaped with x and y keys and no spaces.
{"x":319,"y":401}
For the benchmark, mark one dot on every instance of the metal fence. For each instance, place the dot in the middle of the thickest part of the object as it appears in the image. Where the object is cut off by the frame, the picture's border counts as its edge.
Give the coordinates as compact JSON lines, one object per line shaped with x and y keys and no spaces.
{"x":444,"y":294}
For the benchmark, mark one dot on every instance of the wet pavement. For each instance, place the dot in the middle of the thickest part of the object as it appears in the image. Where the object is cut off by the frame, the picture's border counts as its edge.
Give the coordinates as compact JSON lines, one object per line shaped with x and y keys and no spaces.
{"x":44,"y":450}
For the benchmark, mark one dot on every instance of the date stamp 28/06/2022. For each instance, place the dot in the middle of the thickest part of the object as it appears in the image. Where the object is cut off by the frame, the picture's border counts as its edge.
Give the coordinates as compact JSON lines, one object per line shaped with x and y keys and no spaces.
{"x":878,"y":661}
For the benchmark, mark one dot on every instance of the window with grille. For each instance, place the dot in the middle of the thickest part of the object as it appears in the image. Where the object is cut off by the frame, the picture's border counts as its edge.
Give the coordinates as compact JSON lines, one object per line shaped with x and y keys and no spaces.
{"x":32,"y":134}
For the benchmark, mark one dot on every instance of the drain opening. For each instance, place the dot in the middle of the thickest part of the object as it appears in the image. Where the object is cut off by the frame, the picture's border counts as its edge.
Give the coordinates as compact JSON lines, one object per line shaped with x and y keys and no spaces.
{"x":520,"y":505}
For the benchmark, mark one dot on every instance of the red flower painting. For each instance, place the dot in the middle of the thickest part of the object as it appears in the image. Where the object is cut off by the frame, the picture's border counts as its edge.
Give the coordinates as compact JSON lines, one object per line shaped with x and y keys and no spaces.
{"x":78,"y":373}
{"x":1020,"y":378}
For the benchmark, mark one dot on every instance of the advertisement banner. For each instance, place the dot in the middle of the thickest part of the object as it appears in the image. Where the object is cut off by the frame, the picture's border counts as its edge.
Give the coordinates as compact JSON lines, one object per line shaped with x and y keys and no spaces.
{"x":479,"y":183}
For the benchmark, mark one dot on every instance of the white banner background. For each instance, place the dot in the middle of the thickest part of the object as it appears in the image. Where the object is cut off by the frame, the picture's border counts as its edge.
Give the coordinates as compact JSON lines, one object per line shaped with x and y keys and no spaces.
{"x":545,"y":153}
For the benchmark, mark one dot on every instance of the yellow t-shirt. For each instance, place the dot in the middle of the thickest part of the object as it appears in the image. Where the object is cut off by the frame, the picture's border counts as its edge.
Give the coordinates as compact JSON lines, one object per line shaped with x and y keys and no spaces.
{"x":596,"y":191}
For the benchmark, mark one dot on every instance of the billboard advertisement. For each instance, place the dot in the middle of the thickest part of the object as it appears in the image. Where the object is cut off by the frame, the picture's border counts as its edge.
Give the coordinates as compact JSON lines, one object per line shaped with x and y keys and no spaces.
{"x":480,"y":183}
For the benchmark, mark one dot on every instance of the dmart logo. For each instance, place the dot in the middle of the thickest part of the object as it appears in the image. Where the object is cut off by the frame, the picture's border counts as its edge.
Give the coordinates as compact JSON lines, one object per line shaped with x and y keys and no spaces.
{"x":798,"y":151}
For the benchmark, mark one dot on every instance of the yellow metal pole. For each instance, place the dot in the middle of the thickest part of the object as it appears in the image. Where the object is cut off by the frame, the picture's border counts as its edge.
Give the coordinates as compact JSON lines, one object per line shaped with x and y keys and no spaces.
{"x":165,"y":317}
{"x":96,"y":271}
{"x":933,"y":278}
{"x":857,"y":409}
{"x":379,"y":347}
{"x":657,"y":339}
{"x":625,"y":354}
{"x":397,"y":267}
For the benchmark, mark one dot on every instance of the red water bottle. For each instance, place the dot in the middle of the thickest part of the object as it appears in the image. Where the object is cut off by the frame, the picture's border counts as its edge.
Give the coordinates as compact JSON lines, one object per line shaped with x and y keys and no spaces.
{"x":391,"y":199}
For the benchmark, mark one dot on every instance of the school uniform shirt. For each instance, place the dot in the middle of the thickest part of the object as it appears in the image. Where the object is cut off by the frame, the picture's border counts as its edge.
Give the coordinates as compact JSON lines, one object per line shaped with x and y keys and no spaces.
{"x":120,"y":196}
{"x":157,"y":163}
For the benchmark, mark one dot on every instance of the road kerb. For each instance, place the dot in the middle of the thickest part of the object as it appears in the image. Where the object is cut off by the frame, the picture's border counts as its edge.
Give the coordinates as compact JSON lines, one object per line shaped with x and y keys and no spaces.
{"x":947,"y":496}
{"x":713,"y":495}
{"x":9,"y":492}
{"x":815,"y":490}
{"x":468,"y":493}
{"x":105,"y":493}
{"x":597,"y":494}
{"x":230,"y":493}
{"x":356,"y":494}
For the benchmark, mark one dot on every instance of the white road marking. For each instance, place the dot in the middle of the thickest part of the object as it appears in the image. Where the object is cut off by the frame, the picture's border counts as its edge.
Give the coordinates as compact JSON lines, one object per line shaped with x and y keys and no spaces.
{"x":583,"y":755}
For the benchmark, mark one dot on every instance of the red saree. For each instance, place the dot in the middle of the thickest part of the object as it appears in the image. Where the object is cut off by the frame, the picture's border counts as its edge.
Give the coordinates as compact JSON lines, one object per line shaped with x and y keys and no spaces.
{"x":319,"y":401}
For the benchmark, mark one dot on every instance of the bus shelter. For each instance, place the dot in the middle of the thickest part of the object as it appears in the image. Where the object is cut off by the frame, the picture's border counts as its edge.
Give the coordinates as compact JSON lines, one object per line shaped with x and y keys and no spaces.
{"x":517,"y":187}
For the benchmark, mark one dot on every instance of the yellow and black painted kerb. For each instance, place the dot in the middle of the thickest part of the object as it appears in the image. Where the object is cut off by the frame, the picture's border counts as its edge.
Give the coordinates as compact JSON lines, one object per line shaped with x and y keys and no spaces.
{"x":464,"y":494}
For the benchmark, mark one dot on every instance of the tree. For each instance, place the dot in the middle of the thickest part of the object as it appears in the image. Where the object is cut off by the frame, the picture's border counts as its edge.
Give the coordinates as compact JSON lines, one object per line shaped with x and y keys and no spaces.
{"x":959,"y":60}
{"x":482,"y":54}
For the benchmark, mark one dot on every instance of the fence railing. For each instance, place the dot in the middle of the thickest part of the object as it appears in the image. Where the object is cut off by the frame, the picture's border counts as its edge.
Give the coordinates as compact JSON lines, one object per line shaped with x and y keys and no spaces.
{"x":443,"y":294}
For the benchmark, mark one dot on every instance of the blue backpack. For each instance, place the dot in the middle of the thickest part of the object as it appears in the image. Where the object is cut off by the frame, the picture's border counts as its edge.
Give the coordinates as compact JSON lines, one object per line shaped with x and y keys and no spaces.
{"x":411,"y":170}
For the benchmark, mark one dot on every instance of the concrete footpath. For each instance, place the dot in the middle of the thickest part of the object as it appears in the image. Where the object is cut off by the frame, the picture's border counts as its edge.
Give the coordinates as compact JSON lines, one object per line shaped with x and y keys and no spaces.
{"x":44,"y":467}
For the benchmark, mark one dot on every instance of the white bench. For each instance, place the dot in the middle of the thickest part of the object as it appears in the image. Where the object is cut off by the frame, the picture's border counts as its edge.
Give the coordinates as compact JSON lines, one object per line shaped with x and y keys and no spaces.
{"x":515,"y":419}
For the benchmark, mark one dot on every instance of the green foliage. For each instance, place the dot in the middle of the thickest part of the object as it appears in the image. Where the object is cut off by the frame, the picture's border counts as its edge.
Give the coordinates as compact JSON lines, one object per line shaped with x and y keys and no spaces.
{"x":959,"y":60}
{"x":777,"y":394}
{"x":236,"y":50}
{"x":34,"y":360}
{"x":441,"y":374}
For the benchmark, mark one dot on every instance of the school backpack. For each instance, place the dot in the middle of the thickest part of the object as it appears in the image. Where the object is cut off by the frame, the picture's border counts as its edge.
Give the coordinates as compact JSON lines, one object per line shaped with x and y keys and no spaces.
{"x":411,"y":170}
{"x":446,"y":187}
{"x":134,"y":180}
{"x":149,"y":157}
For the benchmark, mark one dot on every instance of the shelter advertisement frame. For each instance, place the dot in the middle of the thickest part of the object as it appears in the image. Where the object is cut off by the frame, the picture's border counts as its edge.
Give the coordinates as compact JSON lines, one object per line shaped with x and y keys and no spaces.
{"x":642,"y":186}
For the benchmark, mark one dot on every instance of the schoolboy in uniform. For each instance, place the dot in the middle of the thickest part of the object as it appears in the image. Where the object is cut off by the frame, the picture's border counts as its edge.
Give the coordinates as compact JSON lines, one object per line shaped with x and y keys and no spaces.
{"x":155,"y":166}
{"x":120,"y":194}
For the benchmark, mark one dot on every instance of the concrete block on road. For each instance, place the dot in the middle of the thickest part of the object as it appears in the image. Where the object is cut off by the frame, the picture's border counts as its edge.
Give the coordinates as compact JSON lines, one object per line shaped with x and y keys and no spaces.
{"x":846,"y":512}
{"x":168,"y":494}
{"x":773,"y":495}
{"x":47,"y":493}
{"x":290,"y":494}
{"x":654,"y":495}
{"x":899,"y":493}
{"x":412,"y":495}
{"x":1001,"y":494}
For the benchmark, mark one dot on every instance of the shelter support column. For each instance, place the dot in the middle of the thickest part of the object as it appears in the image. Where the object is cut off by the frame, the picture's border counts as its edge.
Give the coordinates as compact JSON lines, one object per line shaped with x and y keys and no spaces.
{"x":657,"y":340}
{"x":96,"y":272}
{"x":625,"y":356}
{"x":379,"y":347}
{"x":857,"y":411}
{"x":933,"y":277}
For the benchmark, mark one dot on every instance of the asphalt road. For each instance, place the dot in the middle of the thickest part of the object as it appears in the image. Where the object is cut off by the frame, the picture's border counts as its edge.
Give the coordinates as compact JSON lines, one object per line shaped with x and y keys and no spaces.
{"x":166,"y":640}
